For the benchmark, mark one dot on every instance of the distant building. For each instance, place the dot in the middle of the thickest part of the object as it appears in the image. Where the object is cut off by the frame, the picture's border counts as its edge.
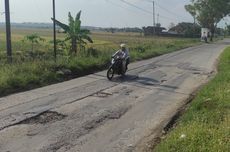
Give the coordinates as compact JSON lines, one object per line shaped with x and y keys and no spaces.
{"x":150,"y":30}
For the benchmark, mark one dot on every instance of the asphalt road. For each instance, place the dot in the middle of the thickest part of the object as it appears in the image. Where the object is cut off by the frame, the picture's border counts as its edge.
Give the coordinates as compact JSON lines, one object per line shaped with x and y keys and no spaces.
{"x":92,"y":114}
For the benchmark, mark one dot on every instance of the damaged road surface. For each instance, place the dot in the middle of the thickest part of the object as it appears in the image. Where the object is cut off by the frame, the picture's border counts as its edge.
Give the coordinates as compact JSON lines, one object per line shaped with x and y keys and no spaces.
{"x":92,"y":114}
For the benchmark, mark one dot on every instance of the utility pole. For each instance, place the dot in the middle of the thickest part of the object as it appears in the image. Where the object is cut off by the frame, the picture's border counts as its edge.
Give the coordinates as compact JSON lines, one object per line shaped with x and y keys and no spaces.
{"x":154,"y":22}
{"x":8,"y":31}
{"x":54,"y":32}
{"x":158,"y":15}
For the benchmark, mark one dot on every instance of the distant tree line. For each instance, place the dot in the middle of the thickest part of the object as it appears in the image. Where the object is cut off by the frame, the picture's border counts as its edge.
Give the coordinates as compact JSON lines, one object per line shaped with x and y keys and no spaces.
{"x":186,"y":29}
{"x":150,"y":30}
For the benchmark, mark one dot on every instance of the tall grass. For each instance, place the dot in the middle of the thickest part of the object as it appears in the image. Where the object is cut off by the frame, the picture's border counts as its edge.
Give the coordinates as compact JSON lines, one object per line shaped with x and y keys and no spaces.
{"x":28,"y":75}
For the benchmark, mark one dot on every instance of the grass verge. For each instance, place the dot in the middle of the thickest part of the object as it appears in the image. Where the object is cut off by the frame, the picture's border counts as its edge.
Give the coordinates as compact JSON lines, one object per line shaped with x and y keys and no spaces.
{"x":205,"y":127}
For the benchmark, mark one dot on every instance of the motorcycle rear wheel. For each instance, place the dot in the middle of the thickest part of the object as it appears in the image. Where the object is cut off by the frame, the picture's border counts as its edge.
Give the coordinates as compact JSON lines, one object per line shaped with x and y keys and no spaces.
{"x":110,"y":73}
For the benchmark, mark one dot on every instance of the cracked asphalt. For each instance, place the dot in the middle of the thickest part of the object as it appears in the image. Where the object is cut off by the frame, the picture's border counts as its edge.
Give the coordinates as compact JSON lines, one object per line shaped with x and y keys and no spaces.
{"x":92,"y":114}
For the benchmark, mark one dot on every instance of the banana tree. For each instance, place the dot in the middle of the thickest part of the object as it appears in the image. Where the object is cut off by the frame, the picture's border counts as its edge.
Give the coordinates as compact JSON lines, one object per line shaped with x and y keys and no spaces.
{"x":74,"y":33}
{"x":34,"y":39}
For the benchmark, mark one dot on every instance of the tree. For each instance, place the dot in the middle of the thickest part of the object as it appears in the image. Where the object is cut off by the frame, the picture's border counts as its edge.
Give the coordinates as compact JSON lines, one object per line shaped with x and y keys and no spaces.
{"x":158,"y":25}
{"x":209,"y":12}
{"x":34,"y":39}
{"x":75,"y":34}
{"x":192,"y":10}
{"x":187,"y":29}
{"x":171,"y":25}
{"x":228,"y":29}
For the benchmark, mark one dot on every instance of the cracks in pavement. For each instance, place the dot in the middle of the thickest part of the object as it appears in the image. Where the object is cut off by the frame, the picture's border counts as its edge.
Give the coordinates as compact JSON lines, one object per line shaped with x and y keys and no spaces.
{"x":181,"y":110}
{"x":146,"y":68}
{"x":73,"y":130}
{"x":168,"y":56}
{"x":173,"y":121}
{"x":93,"y":121}
{"x":73,"y":133}
{"x":105,"y":115}
{"x":157,"y":87}
{"x":189,"y":68}
{"x":102,"y":94}
{"x":151,"y":84}
{"x":24,"y":117}
{"x":54,"y":94}
{"x":41,"y":118}
{"x":64,"y":146}
{"x":99,"y":93}
{"x":63,"y":142}
{"x":158,"y":134}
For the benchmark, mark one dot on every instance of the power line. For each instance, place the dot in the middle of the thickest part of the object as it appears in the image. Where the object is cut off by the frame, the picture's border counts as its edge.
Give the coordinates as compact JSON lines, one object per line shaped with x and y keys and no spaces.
{"x":141,"y":9}
{"x":146,"y":11}
{"x":137,"y":7}
{"x":170,"y":12}
{"x":120,"y":6}
{"x":149,"y":1}
{"x":168,"y":18}
{"x":117,"y":5}
{"x":166,"y":10}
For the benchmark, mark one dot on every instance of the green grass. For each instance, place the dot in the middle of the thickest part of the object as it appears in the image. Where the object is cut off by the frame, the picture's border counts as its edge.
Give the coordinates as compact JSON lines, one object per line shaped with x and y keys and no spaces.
{"x":29,"y":75}
{"x":35,"y":69}
{"x":206,"y":124}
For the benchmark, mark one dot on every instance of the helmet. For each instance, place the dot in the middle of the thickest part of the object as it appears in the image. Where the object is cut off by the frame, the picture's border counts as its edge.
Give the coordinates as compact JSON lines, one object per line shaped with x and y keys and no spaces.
{"x":123,"y":45}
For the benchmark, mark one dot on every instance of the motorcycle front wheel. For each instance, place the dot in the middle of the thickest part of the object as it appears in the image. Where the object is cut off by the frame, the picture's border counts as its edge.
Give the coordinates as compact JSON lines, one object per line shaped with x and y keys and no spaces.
{"x":110,"y":73}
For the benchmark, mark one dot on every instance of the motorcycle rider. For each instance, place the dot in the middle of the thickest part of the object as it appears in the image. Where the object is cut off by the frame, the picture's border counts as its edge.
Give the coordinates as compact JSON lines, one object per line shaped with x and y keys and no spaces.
{"x":123,"y":53}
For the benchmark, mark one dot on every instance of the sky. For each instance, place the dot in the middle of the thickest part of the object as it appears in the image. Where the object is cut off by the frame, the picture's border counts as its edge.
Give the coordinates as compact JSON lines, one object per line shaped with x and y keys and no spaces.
{"x":100,"y":13}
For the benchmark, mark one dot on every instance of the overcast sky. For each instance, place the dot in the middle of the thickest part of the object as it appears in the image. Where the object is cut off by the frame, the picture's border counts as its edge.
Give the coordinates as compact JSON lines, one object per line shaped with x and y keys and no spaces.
{"x":101,"y":13}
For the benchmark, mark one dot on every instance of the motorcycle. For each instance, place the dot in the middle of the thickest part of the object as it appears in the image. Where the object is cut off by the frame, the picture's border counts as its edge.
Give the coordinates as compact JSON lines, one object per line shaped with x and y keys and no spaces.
{"x":115,"y":67}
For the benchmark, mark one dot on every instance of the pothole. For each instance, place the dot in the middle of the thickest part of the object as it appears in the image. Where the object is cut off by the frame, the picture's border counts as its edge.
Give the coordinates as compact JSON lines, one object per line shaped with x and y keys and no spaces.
{"x":197,"y":73}
{"x":128,"y":92}
{"x":73,"y":134}
{"x":102,"y":94}
{"x":107,"y":115}
{"x":162,"y":81}
{"x":44,"y":118}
